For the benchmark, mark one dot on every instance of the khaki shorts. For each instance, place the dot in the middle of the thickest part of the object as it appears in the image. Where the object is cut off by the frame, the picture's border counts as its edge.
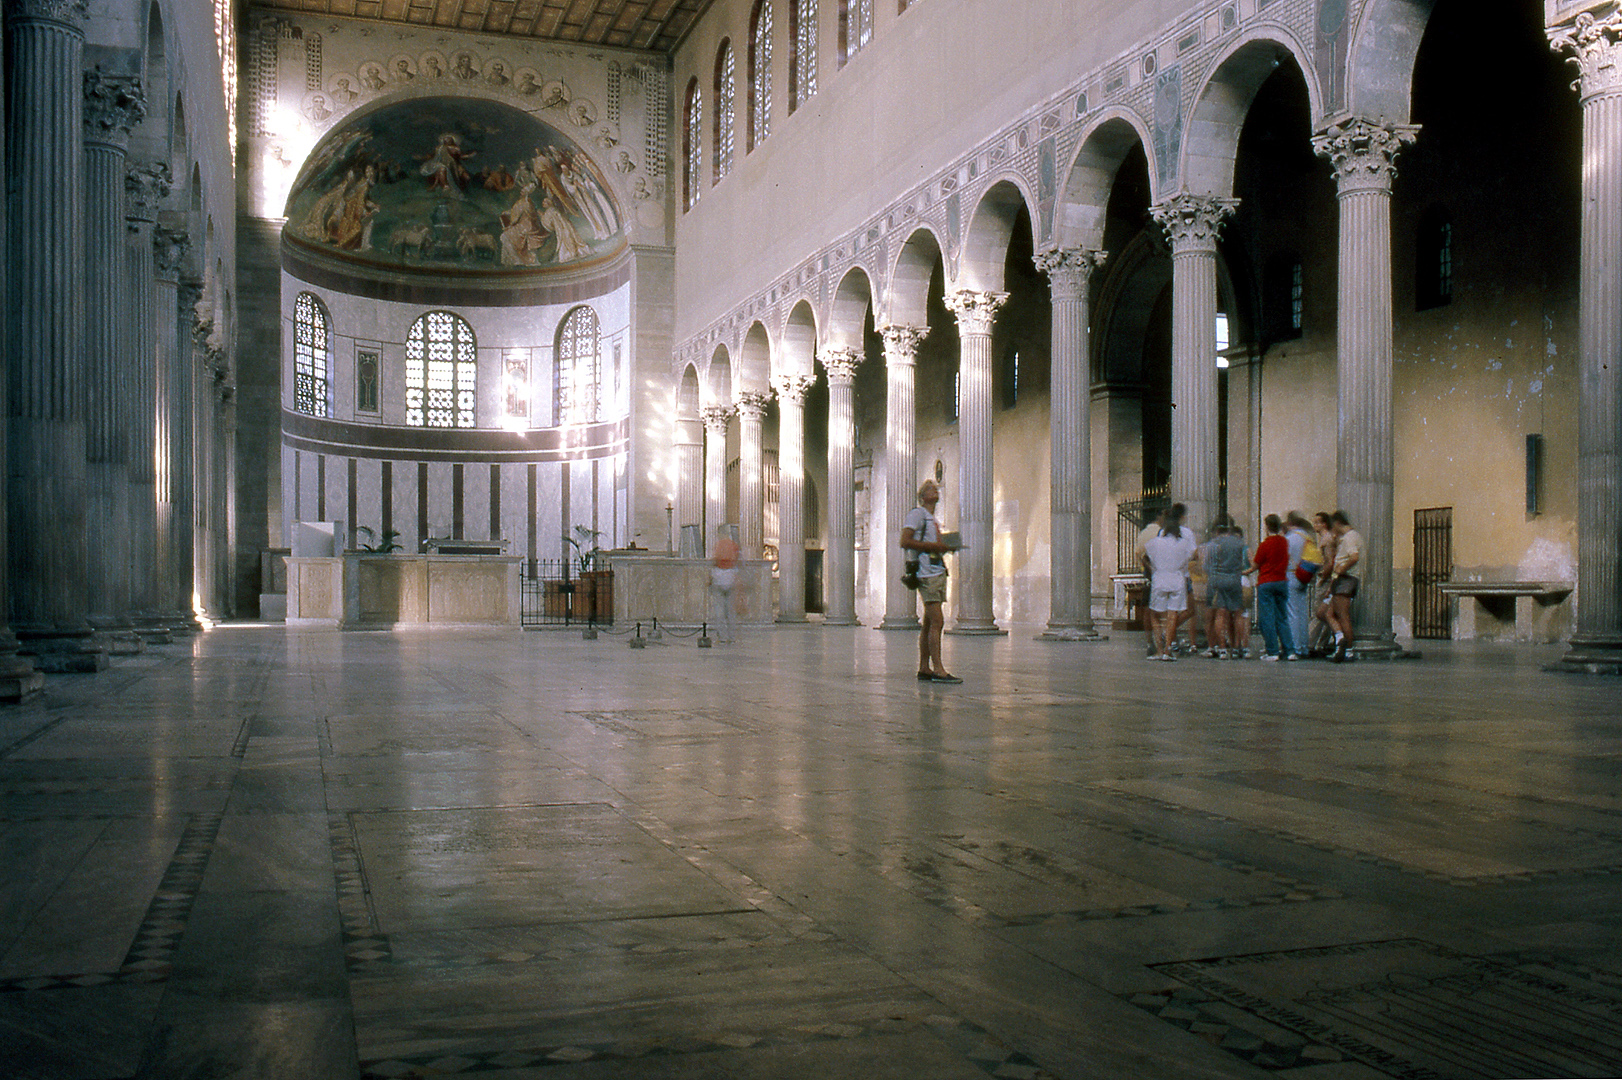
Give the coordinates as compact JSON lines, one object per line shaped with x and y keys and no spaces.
{"x":932,"y":590}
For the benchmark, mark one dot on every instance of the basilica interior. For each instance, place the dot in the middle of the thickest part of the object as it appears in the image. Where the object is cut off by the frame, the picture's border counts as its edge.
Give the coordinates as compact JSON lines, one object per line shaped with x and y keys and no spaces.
{"x":382,"y":375}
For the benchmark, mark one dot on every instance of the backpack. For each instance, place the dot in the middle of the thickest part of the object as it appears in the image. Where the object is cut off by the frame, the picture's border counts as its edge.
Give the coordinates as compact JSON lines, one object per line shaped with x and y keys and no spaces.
{"x":1312,"y":558}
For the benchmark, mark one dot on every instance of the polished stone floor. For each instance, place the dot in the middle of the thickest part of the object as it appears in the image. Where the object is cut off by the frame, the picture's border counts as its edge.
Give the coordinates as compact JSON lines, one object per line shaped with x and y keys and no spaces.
{"x":316,"y":855}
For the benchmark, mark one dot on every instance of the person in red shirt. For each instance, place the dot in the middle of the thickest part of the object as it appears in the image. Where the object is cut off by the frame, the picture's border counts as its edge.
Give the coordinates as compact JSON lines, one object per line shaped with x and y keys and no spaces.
{"x":1271,"y":563}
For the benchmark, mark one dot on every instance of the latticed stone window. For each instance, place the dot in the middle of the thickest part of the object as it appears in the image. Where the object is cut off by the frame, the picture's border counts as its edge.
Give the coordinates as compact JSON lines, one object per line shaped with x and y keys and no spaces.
{"x":579,"y":368}
{"x":803,"y":58}
{"x":692,"y":144}
{"x":441,"y":372}
{"x":310,"y":356}
{"x":855,"y":27}
{"x":760,"y":74}
{"x":726,"y":74}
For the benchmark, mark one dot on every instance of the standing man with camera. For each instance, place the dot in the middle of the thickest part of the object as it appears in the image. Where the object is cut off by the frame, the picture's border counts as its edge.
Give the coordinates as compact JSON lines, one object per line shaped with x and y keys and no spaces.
{"x":921,"y":538}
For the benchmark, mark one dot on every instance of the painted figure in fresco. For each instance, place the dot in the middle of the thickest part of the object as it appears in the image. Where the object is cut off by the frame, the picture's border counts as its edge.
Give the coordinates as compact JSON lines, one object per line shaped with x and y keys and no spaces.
{"x":317,"y":110}
{"x":497,"y":75}
{"x":371,"y":77}
{"x":546,"y":175}
{"x":583,"y":114}
{"x":592,"y":180}
{"x":402,"y":71}
{"x":521,"y":232}
{"x":499,"y":179}
{"x":464,"y":68}
{"x":570,"y":246}
{"x":353,"y":229}
{"x":527,"y":84}
{"x":433,"y":67}
{"x":584,"y":197}
{"x":623,"y":163}
{"x":444,"y":168}
{"x":320,"y":223}
{"x":555,"y":94}
{"x":342,"y":91}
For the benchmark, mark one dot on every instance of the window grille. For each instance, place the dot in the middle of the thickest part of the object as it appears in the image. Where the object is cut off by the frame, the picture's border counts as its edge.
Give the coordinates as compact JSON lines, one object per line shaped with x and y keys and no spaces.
{"x":693,"y":143}
{"x":725,"y":84}
{"x":803,"y":60}
{"x":441,"y":372}
{"x":855,"y":27}
{"x":310,"y":356}
{"x":760,"y":75}
{"x":579,"y":368}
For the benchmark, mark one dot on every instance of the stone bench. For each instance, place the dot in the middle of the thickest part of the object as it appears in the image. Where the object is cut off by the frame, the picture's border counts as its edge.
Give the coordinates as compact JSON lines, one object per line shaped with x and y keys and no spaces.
{"x":1533,"y":611}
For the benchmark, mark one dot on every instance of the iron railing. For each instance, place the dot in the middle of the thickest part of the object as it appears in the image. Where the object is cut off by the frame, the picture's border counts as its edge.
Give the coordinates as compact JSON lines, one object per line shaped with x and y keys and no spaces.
{"x":555,"y":592}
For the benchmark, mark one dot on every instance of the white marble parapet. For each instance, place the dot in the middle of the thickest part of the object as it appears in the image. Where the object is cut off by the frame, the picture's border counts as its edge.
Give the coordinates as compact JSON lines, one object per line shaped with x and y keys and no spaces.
{"x":677,"y":591}
{"x":371,"y":592}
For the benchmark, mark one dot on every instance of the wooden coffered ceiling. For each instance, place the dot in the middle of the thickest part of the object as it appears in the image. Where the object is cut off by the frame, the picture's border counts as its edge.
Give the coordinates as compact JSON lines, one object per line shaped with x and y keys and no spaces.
{"x":630,"y":24}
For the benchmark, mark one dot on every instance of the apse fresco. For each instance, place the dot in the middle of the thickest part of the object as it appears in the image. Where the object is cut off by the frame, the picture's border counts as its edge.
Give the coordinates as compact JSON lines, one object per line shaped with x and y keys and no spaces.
{"x":456,"y":185}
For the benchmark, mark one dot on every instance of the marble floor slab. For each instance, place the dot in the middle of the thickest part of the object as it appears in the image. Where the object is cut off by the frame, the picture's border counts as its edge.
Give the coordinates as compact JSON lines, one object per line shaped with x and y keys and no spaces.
{"x":308,"y":854}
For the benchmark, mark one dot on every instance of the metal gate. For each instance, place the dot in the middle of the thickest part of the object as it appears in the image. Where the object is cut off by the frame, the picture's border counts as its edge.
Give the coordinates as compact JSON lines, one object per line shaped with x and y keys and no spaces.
{"x":1433,"y":562}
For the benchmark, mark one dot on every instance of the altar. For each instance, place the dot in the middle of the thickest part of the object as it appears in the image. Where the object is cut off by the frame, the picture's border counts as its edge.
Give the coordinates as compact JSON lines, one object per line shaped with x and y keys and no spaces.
{"x":364,"y":591}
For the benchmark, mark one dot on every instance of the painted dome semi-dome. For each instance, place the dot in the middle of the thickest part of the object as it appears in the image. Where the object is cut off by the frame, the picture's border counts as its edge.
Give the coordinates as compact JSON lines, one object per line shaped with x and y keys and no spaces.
{"x":454,"y":186}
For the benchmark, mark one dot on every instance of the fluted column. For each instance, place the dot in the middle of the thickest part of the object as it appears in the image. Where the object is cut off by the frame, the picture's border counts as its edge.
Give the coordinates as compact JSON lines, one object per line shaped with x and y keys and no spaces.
{"x":752,"y":472}
{"x":169,"y":252}
{"x":184,"y":454}
{"x":840,"y":561}
{"x":1596,"y":45}
{"x":19,"y":679}
{"x":689,"y":477}
{"x":791,"y":390}
{"x":147,"y":243}
{"x":1192,"y":223}
{"x":1070,"y":428}
{"x":716,"y":418}
{"x":1363,"y":155}
{"x":224,"y":479}
{"x":900,"y":465}
{"x":112,"y":108}
{"x":45,"y":330}
{"x":204,"y":443}
{"x":976,"y":312}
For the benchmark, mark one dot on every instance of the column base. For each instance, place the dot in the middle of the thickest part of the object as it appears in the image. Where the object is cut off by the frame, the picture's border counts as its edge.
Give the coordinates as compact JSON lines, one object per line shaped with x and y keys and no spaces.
{"x":977,"y":630}
{"x":1383,"y":648}
{"x":65,"y":651}
{"x":840,"y":620}
{"x":153,"y":629}
{"x":1591,"y":656}
{"x":906,"y":622}
{"x":792,"y":620}
{"x":118,"y":633}
{"x":1071,"y":633}
{"x":18,"y":679}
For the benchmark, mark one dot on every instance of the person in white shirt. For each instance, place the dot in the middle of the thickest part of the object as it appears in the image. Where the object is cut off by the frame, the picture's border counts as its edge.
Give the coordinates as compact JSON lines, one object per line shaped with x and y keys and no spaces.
{"x":1167,"y":556}
{"x":921,"y":533}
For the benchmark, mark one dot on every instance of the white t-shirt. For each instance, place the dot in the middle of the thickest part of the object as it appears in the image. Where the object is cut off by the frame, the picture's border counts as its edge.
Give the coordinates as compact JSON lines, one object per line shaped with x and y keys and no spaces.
{"x":924,"y":527}
{"x":1168,"y":559}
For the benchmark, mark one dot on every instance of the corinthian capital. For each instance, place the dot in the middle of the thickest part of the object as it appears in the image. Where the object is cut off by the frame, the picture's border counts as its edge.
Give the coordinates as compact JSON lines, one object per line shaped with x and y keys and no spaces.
{"x":1193,"y":222}
{"x":112,"y":106}
{"x":1594,"y":44}
{"x":792,"y":386}
{"x":169,"y":248}
{"x":716,"y":417}
{"x":1069,"y":269}
{"x":1363,"y":153}
{"x":841,"y":362}
{"x":752,"y":404}
{"x":901,"y":342}
{"x":975,"y":311}
{"x":69,"y":12}
{"x":147,"y":186}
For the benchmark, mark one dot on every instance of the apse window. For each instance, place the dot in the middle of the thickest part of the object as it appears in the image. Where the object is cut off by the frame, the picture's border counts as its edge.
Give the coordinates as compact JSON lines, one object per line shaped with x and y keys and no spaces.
{"x":726,"y":73}
{"x":1434,"y":255}
{"x":692,"y":145}
{"x":578,"y":389}
{"x":803,"y":52}
{"x":855,"y":27}
{"x":441,"y":372}
{"x":760,"y":74}
{"x":310,"y":356}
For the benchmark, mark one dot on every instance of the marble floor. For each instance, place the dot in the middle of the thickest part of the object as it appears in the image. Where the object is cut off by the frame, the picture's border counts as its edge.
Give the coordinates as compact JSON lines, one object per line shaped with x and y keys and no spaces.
{"x":316,"y":855}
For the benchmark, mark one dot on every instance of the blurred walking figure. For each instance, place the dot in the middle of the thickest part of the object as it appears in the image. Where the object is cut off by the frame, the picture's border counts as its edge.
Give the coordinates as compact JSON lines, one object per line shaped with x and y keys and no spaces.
{"x":724,"y":583}
{"x":1226,"y":560}
{"x":1167,"y":558}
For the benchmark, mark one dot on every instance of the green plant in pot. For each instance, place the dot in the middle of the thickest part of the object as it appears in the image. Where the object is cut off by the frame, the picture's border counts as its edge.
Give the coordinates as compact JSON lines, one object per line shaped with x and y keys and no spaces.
{"x":388,"y":543}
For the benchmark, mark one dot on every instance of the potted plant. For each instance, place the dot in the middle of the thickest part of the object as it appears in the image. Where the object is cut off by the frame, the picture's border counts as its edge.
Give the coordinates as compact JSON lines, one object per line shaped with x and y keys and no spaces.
{"x":585,"y":589}
{"x":388,"y":543}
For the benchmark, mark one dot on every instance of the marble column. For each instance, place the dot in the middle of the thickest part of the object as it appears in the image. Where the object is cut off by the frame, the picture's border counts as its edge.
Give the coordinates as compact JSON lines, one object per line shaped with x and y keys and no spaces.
{"x":1363,"y":156}
{"x":1596,"y":45}
{"x":45,"y":486}
{"x":752,"y":472}
{"x":112,"y":108}
{"x":690,"y":477}
{"x":1070,"y":428}
{"x":203,"y":455}
{"x":976,"y":312}
{"x":1192,"y":223}
{"x":169,"y":252}
{"x":716,"y":419}
{"x":900,"y":465}
{"x":225,"y":412}
{"x":840,"y":563}
{"x":791,"y":389}
{"x":183,"y":454}
{"x":19,"y":679}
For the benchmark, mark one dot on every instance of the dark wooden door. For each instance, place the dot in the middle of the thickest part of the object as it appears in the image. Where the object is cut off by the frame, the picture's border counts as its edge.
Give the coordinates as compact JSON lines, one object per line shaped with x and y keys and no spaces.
{"x":1433,"y":562}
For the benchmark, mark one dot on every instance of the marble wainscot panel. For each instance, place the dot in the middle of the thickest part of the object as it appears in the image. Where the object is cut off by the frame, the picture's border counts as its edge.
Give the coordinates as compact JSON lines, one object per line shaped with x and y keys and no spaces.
{"x":370,"y":592}
{"x":649,"y":585}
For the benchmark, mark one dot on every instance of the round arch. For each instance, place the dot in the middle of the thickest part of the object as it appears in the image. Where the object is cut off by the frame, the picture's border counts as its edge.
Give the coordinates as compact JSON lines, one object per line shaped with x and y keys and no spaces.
{"x":754,"y":373}
{"x":991,"y":226}
{"x":798,"y":354}
{"x":909,"y":279}
{"x":1212,"y":142}
{"x":718,"y":377}
{"x":848,"y":310}
{"x":688,"y":398}
{"x":1380,"y":63}
{"x":1084,"y":199}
